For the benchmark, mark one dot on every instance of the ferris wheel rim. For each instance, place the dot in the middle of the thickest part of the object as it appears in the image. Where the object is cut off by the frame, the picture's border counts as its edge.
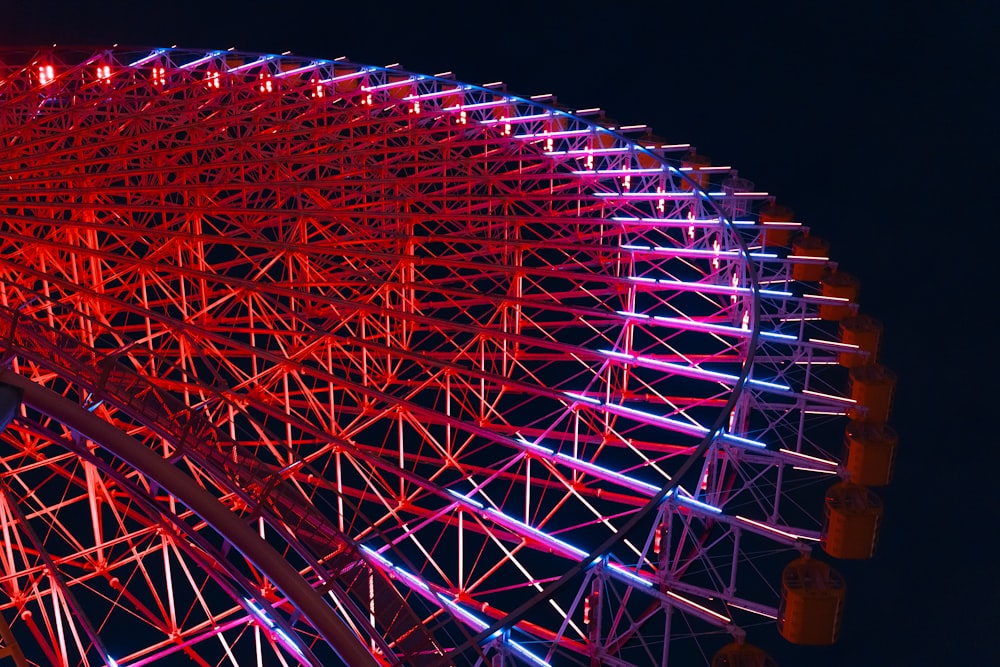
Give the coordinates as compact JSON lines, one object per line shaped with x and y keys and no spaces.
{"x":737,"y":389}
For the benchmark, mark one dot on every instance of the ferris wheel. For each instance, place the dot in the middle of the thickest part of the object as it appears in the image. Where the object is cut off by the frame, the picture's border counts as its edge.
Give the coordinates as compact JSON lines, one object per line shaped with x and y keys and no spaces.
{"x":313,"y":362}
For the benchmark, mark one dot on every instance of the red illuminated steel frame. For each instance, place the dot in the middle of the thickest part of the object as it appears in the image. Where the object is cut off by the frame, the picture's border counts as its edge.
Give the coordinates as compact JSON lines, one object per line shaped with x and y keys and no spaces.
{"x":312,"y":361}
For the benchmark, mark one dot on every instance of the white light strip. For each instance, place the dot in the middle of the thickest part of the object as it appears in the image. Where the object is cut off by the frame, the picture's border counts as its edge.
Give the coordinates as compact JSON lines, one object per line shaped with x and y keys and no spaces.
{"x":259,"y":61}
{"x":724,"y":619}
{"x":776,"y":531}
{"x":825,"y":462}
{"x":298,"y":70}
{"x":753,"y":611}
{"x":200,"y":61}
{"x":347,"y":77}
{"x":152,"y":56}
{"x":392,"y":84}
{"x":458,"y":90}
{"x":831,"y":397}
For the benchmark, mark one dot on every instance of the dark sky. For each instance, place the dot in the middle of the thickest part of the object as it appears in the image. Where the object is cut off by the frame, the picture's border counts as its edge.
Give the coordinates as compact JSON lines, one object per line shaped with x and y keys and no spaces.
{"x":873,"y":120}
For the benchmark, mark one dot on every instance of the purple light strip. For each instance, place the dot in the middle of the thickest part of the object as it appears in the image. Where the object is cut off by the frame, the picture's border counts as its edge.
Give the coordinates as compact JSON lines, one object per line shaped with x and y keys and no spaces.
{"x":515,"y":119}
{"x":593,"y":151}
{"x":709,"y":327}
{"x":555,"y":134}
{"x":707,"y":288}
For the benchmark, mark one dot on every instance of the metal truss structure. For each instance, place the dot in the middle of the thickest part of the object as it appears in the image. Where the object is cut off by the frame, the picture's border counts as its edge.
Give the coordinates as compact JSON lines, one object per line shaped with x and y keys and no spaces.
{"x":307,"y":361}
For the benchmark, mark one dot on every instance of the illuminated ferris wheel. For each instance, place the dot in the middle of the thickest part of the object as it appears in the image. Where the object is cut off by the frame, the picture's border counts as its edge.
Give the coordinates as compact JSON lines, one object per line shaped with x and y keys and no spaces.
{"x":313,"y":362}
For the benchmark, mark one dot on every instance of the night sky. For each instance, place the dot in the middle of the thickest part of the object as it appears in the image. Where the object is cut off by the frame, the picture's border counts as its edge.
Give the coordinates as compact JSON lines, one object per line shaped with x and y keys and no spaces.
{"x":874,"y":123}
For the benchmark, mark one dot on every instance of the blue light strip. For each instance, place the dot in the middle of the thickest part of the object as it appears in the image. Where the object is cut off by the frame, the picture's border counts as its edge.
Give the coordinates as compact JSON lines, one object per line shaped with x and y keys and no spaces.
{"x":467,"y":499}
{"x":696,"y":430}
{"x":632,"y":577}
{"x":743,"y":442}
{"x":776,"y":293}
{"x":632,"y":314}
{"x":769,"y":385}
{"x":779,"y":336}
{"x":591,"y":469}
{"x":607,"y":474}
{"x":552,"y":542}
{"x":461,"y":612}
{"x":580,"y":397}
{"x":686,"y":500}
{"x":280,"y":634}
{"x":412,"y":579}
{"x":535,"y":447}
{"x":526,"y":654}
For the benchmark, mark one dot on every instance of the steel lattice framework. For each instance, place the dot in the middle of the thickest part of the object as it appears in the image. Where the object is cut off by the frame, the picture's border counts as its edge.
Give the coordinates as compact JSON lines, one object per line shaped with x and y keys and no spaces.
{"x":319,"y":361}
